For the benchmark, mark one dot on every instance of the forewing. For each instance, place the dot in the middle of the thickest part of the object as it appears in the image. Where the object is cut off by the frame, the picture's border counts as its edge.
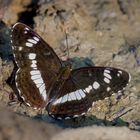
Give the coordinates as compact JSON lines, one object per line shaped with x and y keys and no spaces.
{"x":84,"y":87}
{"x":37,"y":65}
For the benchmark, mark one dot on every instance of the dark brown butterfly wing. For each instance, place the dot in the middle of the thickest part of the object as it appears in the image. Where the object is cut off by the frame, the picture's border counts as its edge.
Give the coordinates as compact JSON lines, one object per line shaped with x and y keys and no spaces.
{"x":84,"y":87}
{"x":37,"y":65}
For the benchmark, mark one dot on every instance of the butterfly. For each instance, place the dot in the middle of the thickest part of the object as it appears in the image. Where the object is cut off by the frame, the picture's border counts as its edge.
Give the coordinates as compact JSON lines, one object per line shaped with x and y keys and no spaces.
{"x":43,"y":81}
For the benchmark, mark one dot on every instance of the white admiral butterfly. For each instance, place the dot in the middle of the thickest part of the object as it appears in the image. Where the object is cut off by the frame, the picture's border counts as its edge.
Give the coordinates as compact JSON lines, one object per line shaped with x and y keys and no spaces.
{"x":43,"y":81}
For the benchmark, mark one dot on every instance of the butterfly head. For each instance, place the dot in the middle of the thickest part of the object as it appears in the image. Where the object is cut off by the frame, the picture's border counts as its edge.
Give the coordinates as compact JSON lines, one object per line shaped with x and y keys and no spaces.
{"x":64,"y":72}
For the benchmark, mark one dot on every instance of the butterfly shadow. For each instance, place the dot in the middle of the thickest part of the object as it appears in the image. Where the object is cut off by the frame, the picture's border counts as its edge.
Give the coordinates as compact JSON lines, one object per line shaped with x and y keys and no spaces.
{"x":81,"y":121}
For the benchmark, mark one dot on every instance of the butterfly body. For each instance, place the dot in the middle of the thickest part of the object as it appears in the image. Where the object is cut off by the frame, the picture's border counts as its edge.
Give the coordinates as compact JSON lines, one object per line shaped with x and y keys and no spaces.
{"x":58,"y":82}
{"x":43,"y":81}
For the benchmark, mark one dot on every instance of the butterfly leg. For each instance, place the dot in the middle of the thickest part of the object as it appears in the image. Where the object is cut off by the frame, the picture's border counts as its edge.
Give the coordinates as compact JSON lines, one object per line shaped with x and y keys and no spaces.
{"x":14,"y":99}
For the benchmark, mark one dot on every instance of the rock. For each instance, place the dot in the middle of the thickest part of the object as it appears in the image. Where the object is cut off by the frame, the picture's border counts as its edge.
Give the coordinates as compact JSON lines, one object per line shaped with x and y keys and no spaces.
{"x":15,"y":127}
{"x":13,"y":10}
{"x":97,"y":133}
{"x":3,"y":7}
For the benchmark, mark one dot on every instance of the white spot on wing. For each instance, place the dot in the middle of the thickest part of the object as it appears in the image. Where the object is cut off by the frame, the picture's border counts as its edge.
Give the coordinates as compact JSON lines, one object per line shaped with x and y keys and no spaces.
{"x":107,"y":75}
{"x":39,"y":85}
{"x":37,"y":78}
{"x":33,"y":77}
{"x":108,"y":89}
{"x":75,"y":95}
{"x":118,"y":74}
{"x":33,"y":65}
{"x":107,"y":71}
{"x":72,"y":95}
{"x":96,"y":85}
{"x":106,"y":80}
{"x":29,"y":44}
{"x":32,"y":56}
{"x":26,"y":28}
{"x":34,"y":61}
{"x":64,"y":98}
{"x":69,"y":98}
{"x":25,"y":32}
{"x":13,"y":49}
{"x":44,"y":95}
{"x":20,"y":48}
{"x":38,"y":81}
{"x":75,"y":116}
{"x":57,"y":101}
{"x":32,"y":41}
{"x":36,"y":38}
{"x":59,"y":118}
{"x":33,"y":72}
{"x":66,"y":118}
{"x":78,"y":95}
{"x":84,"y":90}
{"x":88,"y":89}
{"x":82,"y":93}
{"x":120,"y":71}
{"x":83,"y":113}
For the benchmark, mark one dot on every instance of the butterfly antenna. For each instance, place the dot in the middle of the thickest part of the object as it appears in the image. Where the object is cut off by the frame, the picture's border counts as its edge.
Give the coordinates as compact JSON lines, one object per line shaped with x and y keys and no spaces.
{"x":67,"y":45}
